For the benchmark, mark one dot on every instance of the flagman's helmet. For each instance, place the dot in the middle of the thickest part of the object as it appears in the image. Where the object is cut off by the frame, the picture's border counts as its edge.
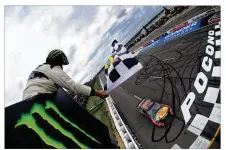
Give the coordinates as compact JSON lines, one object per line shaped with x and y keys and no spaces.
{"x":57,"y":57}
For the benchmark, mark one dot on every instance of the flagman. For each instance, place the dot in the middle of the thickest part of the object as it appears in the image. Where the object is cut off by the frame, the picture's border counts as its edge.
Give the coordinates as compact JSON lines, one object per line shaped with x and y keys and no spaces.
{"x":121,"y":65}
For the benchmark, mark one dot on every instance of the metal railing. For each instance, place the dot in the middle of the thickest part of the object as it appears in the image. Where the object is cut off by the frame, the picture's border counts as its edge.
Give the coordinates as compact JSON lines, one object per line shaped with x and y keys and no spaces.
{"x":119,"y":124}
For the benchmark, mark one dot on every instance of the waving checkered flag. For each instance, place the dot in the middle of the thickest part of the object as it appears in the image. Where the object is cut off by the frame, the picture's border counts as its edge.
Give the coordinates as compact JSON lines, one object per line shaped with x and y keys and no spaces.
{"x":124,"y":66}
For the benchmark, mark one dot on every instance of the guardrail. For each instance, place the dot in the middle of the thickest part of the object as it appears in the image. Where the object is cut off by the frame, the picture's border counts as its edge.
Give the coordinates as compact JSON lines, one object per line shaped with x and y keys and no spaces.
{"x":119,"y":124}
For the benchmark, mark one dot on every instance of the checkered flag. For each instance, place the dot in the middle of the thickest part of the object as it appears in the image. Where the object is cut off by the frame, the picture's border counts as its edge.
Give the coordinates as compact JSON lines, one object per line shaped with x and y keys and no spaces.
{"x":124,"y":66}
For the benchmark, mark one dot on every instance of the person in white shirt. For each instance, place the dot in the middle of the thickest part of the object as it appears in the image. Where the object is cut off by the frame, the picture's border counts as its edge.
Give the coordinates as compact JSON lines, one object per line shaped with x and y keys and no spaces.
{"x":48,"y":77}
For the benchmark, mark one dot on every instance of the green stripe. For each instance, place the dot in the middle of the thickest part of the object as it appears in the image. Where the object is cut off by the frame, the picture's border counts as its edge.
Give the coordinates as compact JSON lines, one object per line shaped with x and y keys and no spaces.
{"x":30,"y":122}
{"x":52,"y":52}
{"x":50,"y":104}
{"x":56,"y":53}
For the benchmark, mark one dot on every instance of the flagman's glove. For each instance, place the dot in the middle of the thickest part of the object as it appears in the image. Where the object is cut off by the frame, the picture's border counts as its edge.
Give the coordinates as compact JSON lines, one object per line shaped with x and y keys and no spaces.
{"x":101,"y":94}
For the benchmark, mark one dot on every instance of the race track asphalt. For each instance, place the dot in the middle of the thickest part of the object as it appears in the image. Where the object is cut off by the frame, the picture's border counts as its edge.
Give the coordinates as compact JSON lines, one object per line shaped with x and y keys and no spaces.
{"x":168,"y":75}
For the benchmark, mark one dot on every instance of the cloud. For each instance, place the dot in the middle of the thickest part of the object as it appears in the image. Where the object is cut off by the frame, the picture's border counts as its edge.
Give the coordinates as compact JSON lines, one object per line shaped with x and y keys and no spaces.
{"x":122,"y":13}
{"x":74,"y":73}
{"x":84,"y":33}
{"x":71,"y":53}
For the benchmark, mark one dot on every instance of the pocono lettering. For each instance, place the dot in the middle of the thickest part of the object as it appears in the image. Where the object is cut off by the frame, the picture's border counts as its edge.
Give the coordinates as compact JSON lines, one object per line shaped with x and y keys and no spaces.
{"x":201,"y":79}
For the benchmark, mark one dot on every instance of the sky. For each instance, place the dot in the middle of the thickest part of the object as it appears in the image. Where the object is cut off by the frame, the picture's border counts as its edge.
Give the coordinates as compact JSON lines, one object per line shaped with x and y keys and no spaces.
{"x":84,"y":33}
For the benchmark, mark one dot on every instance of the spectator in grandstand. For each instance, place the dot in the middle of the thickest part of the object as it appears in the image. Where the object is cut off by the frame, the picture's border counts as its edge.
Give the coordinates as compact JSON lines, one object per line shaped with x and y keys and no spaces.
{"x":178,"y":10}
{"x":167,"y":11}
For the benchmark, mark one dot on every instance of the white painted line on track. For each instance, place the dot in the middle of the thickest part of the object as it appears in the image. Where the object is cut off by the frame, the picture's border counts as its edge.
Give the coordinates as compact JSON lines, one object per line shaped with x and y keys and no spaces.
{"x":216,"y":71}
{"x":138,"y":97}
{"x":218,"y":33}
{"x":218,"y":42}
{"x":211,"y":95}
{"x":200,"y":143}
{"x":131,"y":93}
{"x":168,"y":59}
{"x":198,"y":124}
{"x":175,"y":146}
{"x":217,"y":54}
{"x":215,"y":115}
{"x":217,"y":26}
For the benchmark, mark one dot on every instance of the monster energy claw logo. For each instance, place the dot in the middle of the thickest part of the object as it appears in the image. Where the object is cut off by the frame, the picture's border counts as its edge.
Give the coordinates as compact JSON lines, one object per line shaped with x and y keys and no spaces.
{"x":28,"y":120}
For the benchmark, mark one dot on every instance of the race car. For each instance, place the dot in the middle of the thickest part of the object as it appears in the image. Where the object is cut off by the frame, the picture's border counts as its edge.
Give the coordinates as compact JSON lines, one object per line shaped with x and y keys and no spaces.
{"x":159,"y":114}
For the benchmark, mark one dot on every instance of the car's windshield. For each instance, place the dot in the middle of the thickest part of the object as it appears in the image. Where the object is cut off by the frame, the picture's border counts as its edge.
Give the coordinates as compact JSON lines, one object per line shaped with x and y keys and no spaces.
{"x":153,"y":109}
{"x":146,"y":104}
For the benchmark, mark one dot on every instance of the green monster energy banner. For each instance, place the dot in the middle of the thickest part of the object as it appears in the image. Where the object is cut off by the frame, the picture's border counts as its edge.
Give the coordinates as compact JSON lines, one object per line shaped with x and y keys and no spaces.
{"x":53,"y":121}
